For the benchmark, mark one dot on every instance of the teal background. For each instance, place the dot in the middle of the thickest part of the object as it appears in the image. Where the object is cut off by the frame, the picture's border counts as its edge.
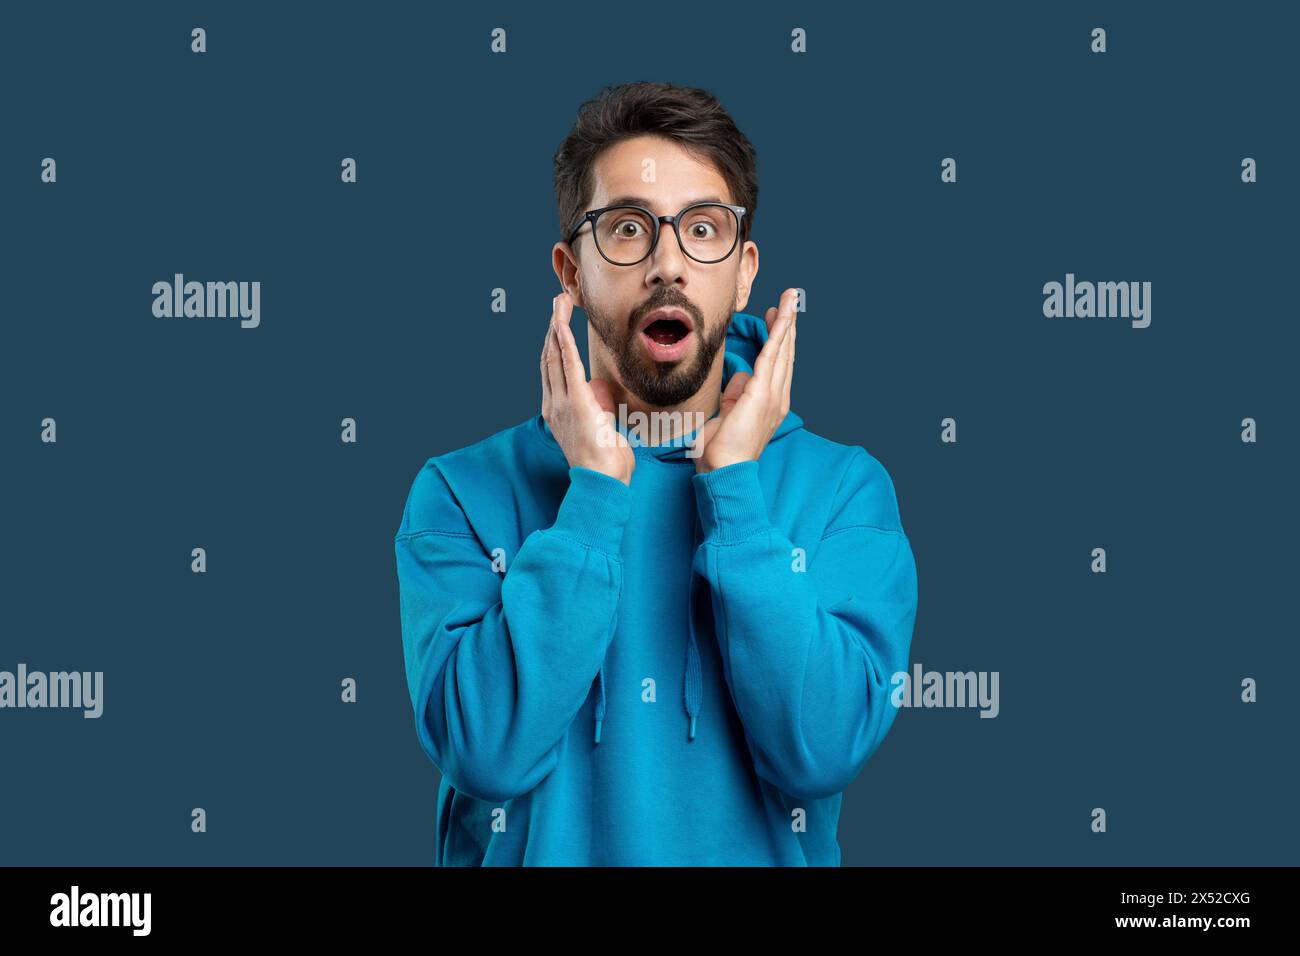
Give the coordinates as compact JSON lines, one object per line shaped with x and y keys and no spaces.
{"x":222,"y":690}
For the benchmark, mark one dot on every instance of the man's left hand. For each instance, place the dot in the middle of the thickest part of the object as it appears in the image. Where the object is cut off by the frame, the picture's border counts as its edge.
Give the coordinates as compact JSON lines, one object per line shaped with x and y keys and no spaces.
{"x":753,"y":406}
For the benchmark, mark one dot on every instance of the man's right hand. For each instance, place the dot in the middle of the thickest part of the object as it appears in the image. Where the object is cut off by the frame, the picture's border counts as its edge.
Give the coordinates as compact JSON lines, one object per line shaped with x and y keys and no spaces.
{"x":580,"y":413}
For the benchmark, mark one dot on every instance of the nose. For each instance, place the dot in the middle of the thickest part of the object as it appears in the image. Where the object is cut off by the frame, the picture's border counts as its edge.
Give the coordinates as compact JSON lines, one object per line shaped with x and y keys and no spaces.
{"x":667,"y":263}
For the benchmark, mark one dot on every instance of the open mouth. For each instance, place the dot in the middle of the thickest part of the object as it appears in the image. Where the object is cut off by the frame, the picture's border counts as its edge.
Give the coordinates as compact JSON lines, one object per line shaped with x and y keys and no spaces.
{"x":666,"y":331}
{"x":667,"y":336}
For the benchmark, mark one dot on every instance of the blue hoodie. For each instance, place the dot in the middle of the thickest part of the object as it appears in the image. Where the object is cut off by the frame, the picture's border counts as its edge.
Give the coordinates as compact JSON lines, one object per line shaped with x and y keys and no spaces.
{"x":685,"y":671}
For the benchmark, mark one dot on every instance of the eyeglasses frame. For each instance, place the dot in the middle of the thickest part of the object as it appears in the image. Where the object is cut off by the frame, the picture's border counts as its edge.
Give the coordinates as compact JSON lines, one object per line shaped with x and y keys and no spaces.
{"x":593,"y":214}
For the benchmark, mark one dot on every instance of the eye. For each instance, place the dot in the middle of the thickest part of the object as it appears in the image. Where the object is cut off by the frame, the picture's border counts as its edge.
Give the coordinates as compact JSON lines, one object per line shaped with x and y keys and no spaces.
{"x":621,"y":228}
{"x":702,"y":230}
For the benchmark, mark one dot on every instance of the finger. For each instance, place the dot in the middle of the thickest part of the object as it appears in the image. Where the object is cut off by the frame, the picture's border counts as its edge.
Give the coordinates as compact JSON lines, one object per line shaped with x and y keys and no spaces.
{"x":574,"y":374}
{"x":554,"y":371}
{"x":767,"y":354}
{"x":542,"y":363}
{"x":781,"y":371}
{"x":794,"y":332}
{"x":781,"y":375}
{"x":794,"y":347}
{"x":559,"y":385}
{"x":790,"y":300}
{"x":788,"y":297}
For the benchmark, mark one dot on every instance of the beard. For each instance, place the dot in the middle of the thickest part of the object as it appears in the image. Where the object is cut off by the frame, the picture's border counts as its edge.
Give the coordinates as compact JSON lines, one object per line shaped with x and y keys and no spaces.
{"x":661,"y":384}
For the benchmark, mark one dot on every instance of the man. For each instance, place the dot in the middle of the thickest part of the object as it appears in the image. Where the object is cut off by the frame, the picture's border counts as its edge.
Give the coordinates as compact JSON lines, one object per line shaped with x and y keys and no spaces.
{"x":676,"y":653}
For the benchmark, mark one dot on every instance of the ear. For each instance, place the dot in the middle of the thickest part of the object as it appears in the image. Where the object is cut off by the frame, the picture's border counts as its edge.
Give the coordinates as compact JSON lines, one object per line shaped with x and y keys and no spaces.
{"x":746,"y":272}
{"x":568,"y":271}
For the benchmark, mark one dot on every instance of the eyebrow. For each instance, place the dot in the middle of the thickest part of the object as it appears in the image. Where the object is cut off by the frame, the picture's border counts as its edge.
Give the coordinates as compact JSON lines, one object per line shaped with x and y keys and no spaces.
{"x":641,"y":201}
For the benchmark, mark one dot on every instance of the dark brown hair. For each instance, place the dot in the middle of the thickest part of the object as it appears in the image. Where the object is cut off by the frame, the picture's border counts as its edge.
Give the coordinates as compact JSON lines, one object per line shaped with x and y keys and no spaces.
{"x":692,"y":117}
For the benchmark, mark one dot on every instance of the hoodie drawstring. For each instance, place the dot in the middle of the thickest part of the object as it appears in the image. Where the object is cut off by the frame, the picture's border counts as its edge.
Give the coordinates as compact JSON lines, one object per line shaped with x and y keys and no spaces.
{"x":693,"y":682}
{"x":600,"y":699}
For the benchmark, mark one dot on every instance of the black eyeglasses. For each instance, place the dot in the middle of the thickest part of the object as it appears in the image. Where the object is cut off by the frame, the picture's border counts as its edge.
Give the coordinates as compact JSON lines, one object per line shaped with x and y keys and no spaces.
{"x":625,"y":235}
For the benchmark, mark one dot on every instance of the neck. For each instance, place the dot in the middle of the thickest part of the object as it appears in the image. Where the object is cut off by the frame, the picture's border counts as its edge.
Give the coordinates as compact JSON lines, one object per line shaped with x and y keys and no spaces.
{"x":685,"y":416}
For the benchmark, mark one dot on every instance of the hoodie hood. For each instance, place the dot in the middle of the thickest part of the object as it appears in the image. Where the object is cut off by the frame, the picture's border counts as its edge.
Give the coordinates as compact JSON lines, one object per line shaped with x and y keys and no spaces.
{"x":745,"y":338}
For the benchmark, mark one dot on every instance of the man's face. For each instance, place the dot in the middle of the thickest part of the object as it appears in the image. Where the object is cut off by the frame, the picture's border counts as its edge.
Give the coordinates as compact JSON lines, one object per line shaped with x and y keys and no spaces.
{"x":662,"y":358}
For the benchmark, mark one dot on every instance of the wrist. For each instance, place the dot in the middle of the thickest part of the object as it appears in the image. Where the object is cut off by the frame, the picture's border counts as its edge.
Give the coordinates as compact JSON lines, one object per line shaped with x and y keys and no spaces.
{"x":616,"y":470}
{"x":707,"y":463}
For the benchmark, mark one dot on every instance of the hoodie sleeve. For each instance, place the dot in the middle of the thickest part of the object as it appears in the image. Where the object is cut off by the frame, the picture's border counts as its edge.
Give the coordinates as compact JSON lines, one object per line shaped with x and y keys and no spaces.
{"x":809,"y":654}
{"x":499,"y":665}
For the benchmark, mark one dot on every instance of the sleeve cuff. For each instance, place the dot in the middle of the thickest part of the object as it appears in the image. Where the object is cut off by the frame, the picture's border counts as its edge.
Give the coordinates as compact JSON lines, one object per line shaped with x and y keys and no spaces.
{"x":730,"y":502}
{"x":595,"y":509}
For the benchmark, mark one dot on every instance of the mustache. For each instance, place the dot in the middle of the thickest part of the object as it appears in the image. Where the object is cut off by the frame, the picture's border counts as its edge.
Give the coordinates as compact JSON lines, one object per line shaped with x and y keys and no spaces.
{"x":676,"y":302}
